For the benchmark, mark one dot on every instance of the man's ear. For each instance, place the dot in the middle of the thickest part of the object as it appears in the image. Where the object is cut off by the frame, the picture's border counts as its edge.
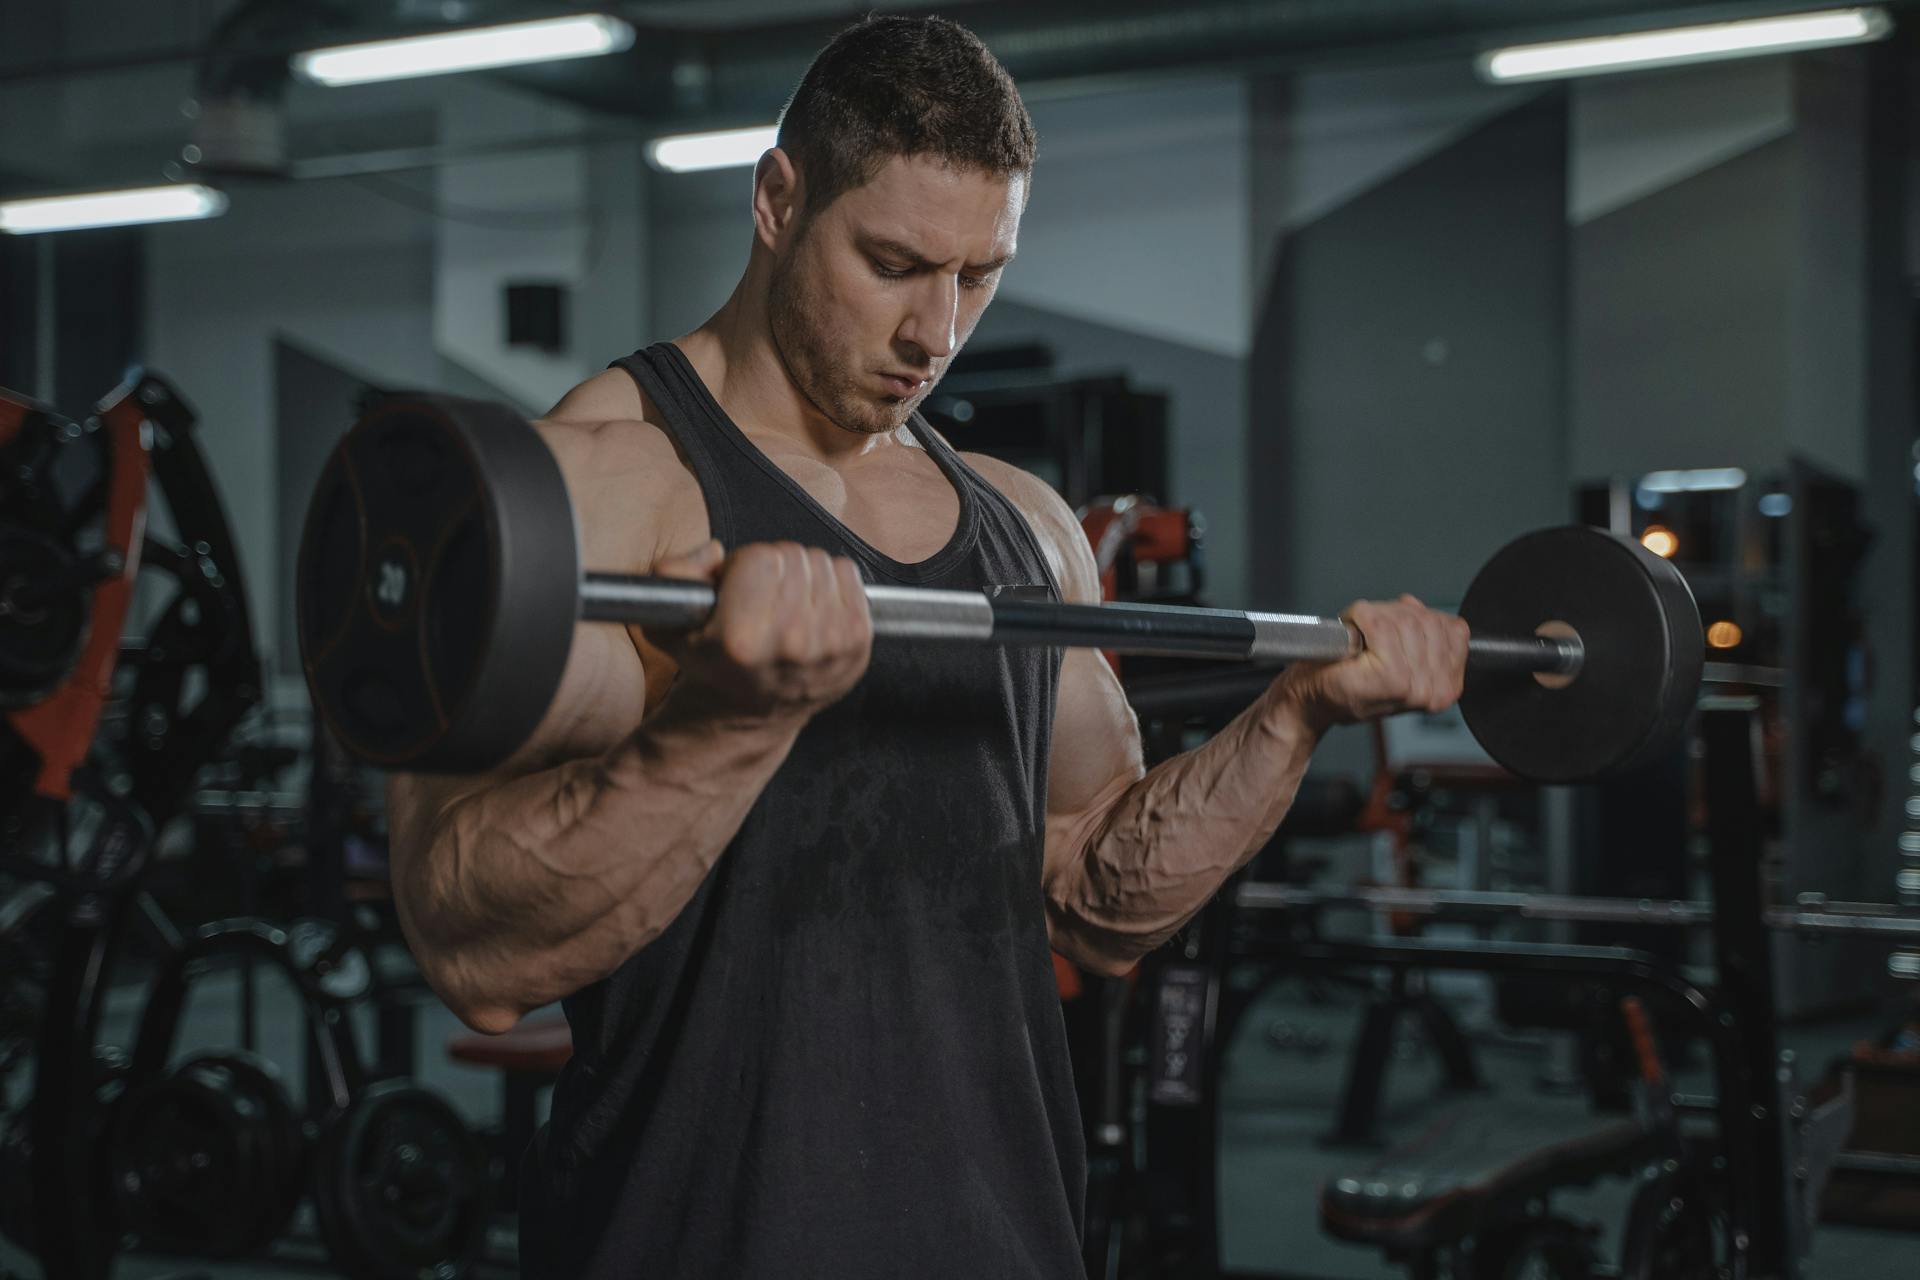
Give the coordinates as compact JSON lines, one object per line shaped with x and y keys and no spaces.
{"x":778,"y":197}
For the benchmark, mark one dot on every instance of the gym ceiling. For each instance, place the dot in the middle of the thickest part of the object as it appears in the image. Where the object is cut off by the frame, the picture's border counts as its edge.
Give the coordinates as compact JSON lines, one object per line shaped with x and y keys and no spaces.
{"x":104,"y":91}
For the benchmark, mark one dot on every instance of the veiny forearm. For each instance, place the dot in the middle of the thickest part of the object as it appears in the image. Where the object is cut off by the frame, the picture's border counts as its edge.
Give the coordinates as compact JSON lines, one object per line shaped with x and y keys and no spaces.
{"x":1151,"y":858}
{"x":537,"y":887}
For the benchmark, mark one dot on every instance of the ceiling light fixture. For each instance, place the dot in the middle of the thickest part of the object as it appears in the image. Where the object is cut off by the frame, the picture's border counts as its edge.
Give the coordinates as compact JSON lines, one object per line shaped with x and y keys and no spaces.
{"x":1707,"y":478}
{"x":721,"y":149}
{"x":176,"y":202}
{"x":1677,"y":46}
{"x":511,"y":44}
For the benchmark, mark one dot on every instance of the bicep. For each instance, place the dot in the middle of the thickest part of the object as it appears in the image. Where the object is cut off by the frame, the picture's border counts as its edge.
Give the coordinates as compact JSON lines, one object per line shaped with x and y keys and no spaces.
{"x":602,"y":691}
{"x":1096,"y":749}
{"x":1096,"y":738}
{"x":1096,"y":752}
{"x":1096,"y":757}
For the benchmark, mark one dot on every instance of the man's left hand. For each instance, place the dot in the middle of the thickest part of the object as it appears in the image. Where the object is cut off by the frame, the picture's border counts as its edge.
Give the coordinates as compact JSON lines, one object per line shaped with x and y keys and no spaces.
{"x":1415,"y":660}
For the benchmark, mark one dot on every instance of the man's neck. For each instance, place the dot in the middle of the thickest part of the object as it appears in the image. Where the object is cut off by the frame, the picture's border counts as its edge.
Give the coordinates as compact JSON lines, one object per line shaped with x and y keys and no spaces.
{"x":735,"y":355}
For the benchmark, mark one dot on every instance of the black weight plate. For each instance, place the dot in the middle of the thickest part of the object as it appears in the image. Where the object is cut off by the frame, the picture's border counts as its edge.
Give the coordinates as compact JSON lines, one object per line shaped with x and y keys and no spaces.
{"x":437,"y":585}
{"x":1644,"y":649}
{"x":200,"y":1162}
{"x":40,"y":636}
{"x":400,"y":1187}
{"x":259,"y":1083}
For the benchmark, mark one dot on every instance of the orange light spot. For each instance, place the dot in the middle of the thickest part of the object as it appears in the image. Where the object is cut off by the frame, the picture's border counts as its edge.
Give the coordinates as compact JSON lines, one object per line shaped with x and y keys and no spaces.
{"x":1724,"y":634}
{"x":1660,"y":540}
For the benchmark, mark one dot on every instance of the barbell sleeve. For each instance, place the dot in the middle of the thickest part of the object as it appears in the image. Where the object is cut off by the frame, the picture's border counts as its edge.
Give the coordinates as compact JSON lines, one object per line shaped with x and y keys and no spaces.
{"x":1173,"y":630}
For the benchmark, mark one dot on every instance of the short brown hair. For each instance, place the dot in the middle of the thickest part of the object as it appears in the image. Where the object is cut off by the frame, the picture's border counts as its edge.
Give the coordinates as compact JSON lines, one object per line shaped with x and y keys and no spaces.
{"x":902,"y":86}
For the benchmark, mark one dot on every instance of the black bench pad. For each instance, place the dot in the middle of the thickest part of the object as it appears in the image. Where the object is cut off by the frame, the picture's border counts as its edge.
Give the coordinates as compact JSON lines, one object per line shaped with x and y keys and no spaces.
{"x":1479,"y":1162}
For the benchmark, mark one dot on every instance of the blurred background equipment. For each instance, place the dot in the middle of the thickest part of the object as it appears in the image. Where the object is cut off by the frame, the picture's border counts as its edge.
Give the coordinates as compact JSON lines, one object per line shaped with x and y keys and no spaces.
{"x":128,"y":764}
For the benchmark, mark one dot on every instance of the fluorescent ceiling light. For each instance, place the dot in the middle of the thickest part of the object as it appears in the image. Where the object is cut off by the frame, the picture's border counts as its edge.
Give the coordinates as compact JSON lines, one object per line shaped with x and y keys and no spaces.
{"x":1678,"y":45}
{"x":473,"y":49}
{"x":723,"y":149}
{"x":1693,"y":481}
{"x":173,"y":203}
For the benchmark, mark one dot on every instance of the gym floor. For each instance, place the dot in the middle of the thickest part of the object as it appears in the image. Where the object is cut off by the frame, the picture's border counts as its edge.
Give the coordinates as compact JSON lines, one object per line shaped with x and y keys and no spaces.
{"x":1276,"y":1104}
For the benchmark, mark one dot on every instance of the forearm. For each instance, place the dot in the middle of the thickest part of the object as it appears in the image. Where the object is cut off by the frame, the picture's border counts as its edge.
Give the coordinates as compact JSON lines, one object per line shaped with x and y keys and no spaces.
{"x":537,"y":887}
{"x":1140,"y":866}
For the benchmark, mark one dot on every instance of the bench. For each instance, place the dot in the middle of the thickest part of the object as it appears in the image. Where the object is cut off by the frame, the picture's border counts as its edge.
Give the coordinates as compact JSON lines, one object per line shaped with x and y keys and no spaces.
{"x":528,"y":1058}
{"x":1482,"y":1169}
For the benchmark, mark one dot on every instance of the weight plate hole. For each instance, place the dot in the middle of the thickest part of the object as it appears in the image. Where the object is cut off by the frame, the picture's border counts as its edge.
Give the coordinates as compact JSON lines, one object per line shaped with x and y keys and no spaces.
{"x":1556,"y":630}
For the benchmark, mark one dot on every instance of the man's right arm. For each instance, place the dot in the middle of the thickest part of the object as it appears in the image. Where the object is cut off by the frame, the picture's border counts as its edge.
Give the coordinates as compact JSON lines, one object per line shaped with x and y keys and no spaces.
{"x":524,"y":889}
{"x":523,"y":886}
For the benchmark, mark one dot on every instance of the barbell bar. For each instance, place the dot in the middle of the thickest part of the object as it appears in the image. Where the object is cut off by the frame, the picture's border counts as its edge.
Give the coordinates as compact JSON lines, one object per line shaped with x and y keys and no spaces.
{"x":439,"y":582}
{"x":916,"y":613}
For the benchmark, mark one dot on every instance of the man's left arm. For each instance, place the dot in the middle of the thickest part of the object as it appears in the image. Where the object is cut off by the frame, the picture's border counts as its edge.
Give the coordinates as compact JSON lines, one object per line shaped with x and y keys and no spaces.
{"x":1133,"y":853}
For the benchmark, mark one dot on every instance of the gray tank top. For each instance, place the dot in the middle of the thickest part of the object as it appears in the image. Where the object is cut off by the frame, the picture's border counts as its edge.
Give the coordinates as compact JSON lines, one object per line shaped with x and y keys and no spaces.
{"x":845,"y":1057}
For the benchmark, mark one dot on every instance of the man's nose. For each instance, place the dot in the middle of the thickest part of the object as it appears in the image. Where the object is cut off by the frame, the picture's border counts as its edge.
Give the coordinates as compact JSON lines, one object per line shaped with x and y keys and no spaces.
{"x":930,"y":325}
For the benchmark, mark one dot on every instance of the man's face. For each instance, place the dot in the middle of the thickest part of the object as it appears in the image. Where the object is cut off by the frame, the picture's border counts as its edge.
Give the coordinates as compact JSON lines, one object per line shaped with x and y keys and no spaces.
{"x":878,"y":291}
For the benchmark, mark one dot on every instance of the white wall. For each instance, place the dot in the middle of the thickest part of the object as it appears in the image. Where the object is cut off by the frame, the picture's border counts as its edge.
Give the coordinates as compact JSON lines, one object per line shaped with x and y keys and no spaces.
{"x":1719,"y":267}
{"x":558,"y":215}
{"x":1346,"y":130}
{"x":1138,"y":221}
{"x":698,"y":236}
{"x":329,"y":265}
{"x":1138,"y":213}
{"x":1632,"y":135}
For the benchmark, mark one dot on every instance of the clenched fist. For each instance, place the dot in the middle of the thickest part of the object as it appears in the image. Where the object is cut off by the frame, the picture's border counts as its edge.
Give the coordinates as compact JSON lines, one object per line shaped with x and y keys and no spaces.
{"x":789,"y":633}
{"x":1415,"y":660}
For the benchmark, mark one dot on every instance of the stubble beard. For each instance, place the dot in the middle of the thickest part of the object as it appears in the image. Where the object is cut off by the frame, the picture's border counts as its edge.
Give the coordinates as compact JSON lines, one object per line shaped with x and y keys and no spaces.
{"x":820,"y":372}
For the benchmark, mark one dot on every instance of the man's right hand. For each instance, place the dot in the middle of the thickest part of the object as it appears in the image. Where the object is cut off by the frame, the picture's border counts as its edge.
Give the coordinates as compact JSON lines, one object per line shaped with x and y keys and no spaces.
{"x":789,"y":633}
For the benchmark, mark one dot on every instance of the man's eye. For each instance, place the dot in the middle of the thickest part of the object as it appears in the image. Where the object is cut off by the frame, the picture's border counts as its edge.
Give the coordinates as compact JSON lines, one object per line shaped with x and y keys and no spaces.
{"x":975,"y":282}
{"x":886,"y":272}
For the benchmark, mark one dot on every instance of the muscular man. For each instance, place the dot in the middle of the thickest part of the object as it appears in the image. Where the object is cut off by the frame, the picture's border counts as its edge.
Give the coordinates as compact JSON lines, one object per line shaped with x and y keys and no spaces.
{"x":796,"y":894}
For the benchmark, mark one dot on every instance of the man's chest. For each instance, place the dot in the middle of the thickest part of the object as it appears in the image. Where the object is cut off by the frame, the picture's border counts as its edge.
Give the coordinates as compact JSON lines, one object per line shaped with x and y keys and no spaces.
{"x":901,"y":504}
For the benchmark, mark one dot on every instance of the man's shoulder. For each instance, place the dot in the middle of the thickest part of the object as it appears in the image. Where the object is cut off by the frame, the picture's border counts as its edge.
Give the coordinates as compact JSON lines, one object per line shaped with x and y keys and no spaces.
{"x":1034,"y":496}
{"x":607,"y":396}
{"x":631,"y":487}
{"x":1053,"y":522}
{"x":605,"y":424}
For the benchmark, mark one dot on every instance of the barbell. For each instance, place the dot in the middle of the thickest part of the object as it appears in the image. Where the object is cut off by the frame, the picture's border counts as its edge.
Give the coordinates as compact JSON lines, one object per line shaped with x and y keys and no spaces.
{"x":439,"y":582}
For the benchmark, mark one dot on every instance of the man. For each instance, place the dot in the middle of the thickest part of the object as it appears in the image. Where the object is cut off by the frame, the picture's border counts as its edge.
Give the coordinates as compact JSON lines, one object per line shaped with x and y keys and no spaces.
{"x":797,"y":893}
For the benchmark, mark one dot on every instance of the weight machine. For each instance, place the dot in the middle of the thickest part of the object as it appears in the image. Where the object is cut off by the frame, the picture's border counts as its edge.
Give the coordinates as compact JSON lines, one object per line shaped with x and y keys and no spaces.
{"x":1755,"y":1153}
{"x":103,"y":739}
